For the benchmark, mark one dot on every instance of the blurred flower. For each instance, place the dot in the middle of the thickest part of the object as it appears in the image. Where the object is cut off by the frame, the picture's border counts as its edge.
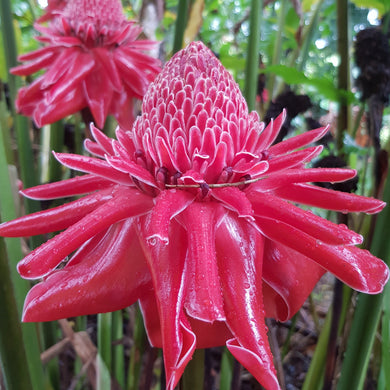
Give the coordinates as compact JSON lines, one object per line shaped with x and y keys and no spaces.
{"x":190,"y":212}
{"x":91,"y":59}
{"x":53,"y":8}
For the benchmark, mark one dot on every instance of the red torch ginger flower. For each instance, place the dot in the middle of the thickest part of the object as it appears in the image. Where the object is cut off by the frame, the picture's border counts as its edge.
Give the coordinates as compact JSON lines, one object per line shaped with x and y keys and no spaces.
{"x":91,"y":59}
{"x":193,"y":213}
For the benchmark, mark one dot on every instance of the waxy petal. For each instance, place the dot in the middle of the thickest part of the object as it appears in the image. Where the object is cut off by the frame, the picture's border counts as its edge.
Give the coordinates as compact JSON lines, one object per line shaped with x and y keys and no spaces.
{"x":93,"y":165}
{"x":234,"y":199}
{"x":98,"y":93}
{"x":166,"y":264}
{"x":127,"y":203}
{"x":290,"y":176}
{"x":240,"y":251}
{"x":54,"y":219}
{"x":298,"y":141}
{"x":270,"y":206}
{"x":203,"y":299}
{"x":329,"y":199}
{"x":167,"y":205}
{"x":355,"y":267}
{"x":289,"y":279}
{"x":70,"y":187}
{"x":111,"y":276}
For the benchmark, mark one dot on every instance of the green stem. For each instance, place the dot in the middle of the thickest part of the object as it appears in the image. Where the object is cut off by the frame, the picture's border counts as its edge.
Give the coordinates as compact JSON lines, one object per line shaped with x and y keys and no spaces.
{"x":315,"y":375}
{"x":56,"y":144}
{"x":181,"y":23}
{"x":13,"y":358}
{"x":21,"y":124}
{"x":118,"y":353}
{"x":276,"y":55}
{"x":20,"y":286}
{"x":343,"y":72}
{"x":367,"y":313}
{"x":226,"y":370}
{"x":139,"y":342}
{"x":104,"y":348}
{"x":252,"y":61}
{"x":193,"y":377}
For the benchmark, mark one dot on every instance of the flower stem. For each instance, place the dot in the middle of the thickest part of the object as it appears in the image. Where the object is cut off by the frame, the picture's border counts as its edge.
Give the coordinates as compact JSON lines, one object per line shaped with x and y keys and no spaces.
{"x":138,"y":347}
{"x":193,"y":377}
{"x":13,"y":357}
{"x":252,"y":61}
{"x":367,"y":313}
{"x":277,"y":48}
{"x":181,"y":23}
{"x":343,"y":72}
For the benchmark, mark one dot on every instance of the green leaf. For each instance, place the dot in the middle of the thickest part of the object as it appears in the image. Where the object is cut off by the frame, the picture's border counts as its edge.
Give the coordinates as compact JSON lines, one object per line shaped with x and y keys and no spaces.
{"x":323,"y":87}
{"x":382,"y":6}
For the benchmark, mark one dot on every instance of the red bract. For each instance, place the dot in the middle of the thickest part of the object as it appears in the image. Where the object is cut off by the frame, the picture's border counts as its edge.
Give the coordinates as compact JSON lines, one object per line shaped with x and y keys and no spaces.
{"x":192,"y":213}
{"x":91,"y":59}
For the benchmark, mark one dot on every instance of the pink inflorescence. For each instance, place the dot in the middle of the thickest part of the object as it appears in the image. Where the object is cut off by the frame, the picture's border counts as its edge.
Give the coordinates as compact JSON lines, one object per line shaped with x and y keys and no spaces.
{"x":92,"y":59}
{"x":193,"y":213}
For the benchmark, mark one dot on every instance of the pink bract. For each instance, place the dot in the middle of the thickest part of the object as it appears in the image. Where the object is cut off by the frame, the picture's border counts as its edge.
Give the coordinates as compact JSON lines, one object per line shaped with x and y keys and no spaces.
{"x":193,"y":213}
{"x":92,"y":59}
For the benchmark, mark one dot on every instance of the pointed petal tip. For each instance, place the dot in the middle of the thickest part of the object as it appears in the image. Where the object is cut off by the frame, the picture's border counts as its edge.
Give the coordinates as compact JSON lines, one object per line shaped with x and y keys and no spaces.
{"x":258,"y":366}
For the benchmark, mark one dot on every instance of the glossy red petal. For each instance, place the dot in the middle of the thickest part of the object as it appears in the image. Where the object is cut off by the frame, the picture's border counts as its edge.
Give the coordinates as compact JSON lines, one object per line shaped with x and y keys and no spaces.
{"x":269,"y":134}
{"x":294,"y":159}
{"x":49,"y":113}
{"x":298,"y":141}
{"x":122,"y":108}
{"x":167,"y":205}
{"x":203,"y":299}
{"x":43,"y":61}
{"x":81,"y":67}
{"x":126,"y":203}
{"x":355,"y":267}
{"x":287,"y":177}
{"x":130,"y":74}
{"x":270,"y":206}
{"x":130,"y":168}
{"x":93,"y":165}
{"x":234,"y":199}
{"x":110,"y":277}
{"x":98,"y":94}
{"x":289,"y":278}
{"x":70,"y":187}
{"x":166,"y":264}
{"x":60,"y":66}
{"x":240,"y":257}
{"x":104,"y":56}
{"x":207,"y":334}
{"x":329,"y":199}
{"x":56,"y":218}
{"x":102,"y":140}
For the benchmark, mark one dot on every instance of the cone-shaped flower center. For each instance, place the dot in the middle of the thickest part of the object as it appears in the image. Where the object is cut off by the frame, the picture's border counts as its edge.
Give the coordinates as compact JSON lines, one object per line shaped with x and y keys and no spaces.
{"x":94,"y":17}
{"x":195,"y":124}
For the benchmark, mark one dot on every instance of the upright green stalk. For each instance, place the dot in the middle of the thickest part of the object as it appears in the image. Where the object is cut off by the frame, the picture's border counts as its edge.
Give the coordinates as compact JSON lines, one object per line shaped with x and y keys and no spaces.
{"x":193,"y":376}
{"x":21,"y":125}
{"x":367,"y":313}
{"x":139,"y":343}
{"x":277,"y":45}
{"x":28,"y":344}
{"x":13,"y":357}
{"x":343,"y":71}
{"x":118,"y":352}
{"x":252,"y":60}
{"x":181,"y":23}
